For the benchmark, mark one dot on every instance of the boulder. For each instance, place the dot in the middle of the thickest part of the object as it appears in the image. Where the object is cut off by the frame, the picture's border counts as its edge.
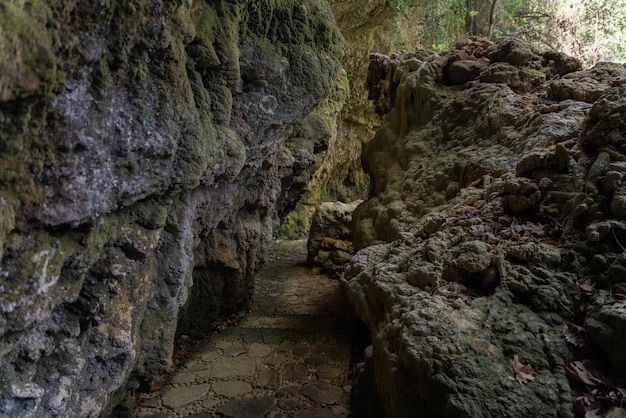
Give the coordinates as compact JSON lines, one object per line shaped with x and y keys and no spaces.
{"x":330,"y":238}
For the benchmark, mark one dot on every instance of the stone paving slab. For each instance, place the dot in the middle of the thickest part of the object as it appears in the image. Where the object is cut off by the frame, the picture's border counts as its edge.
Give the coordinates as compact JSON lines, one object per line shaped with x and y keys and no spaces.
{"x":289,"y":357}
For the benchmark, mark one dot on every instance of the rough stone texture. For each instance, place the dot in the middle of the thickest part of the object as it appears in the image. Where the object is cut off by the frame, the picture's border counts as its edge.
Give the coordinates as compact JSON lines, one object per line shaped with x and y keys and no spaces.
{"x":231,"y":388}
{"x":307,"y":346}
{"x":497,"y":191}
{"x":322,"y":393}
{"x":181,"y":396}
{"x":148,"y":151}
{"x":367,"y":26}
{"x":330,"y":238}
{"x":246,"y":408}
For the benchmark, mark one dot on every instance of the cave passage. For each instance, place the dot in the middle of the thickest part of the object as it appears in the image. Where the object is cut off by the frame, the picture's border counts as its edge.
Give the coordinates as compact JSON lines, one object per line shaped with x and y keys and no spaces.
{"x":290,"y":354}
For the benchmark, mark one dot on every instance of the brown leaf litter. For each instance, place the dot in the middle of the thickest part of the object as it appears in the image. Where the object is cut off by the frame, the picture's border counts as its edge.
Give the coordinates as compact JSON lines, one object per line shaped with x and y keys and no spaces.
{"x":524,"y":373}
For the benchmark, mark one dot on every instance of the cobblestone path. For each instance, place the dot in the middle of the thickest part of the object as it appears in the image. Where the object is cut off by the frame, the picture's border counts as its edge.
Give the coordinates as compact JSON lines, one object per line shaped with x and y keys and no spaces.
{"x":288,"y":357}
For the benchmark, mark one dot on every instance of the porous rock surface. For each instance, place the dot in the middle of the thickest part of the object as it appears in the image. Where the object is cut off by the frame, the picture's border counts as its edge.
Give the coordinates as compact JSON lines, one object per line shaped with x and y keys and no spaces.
{"x":497,"y":192}
{"x":330,"y":238}
{"x":148,"y":150}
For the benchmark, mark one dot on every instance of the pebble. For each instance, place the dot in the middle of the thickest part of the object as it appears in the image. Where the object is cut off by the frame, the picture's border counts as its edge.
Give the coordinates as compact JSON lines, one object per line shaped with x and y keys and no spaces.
{"x":232,"y":388}
{"x":322,"y":393}
{"x":259,"y":350}
{"x":180,"y":396}
{"x":246,"y":408}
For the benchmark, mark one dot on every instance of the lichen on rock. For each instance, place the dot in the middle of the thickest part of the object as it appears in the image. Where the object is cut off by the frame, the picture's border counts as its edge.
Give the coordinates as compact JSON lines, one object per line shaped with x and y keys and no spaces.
{"x":496,"y":194}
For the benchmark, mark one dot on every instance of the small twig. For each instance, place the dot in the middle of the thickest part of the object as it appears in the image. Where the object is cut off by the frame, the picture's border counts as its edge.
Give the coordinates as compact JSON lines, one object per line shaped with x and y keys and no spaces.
{"x":616,"y":240}
{"x":565,"y":307}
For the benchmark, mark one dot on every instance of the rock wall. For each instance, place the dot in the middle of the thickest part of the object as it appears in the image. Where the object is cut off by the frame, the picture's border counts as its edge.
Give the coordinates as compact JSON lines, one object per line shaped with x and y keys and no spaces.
{"x":367,"y":26}
{"x":148,"y":151}
{"x":494,"y":233}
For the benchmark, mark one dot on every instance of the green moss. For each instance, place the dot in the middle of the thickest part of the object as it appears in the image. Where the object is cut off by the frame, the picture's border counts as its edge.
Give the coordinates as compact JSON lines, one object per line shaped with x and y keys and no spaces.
{"x":297,"y":224}
{"x":535,"y":76}
{"x":27,"y":61}
{"x":340,"y":178}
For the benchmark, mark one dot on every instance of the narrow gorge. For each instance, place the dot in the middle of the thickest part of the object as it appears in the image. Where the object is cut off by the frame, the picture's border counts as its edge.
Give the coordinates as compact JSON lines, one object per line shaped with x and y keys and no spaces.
{"x":150,"y":151}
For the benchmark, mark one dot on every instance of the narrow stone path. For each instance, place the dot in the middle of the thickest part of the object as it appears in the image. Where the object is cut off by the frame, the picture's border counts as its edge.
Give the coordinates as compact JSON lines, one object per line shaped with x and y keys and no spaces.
{"x":288,"y":357}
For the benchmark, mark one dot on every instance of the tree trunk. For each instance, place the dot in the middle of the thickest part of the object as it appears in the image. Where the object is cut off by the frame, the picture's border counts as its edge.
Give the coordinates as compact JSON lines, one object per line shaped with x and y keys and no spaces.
{"x":492,"y":18}
{"x":480,"y":17}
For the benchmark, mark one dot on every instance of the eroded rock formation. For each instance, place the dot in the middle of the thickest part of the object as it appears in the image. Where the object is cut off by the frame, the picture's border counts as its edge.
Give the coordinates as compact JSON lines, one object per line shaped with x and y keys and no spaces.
{"x":367,"y":26}
{"x":148,"y":150}
{"x":330,"y":238}
{"x":496,"y":219}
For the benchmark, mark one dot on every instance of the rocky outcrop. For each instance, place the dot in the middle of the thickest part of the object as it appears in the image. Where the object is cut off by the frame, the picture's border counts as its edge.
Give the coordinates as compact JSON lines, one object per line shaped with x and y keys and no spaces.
{"x":149,"y":150}
{"x":330,"y":238}
{"x":494,"y":231}
{"x":368,"y":26}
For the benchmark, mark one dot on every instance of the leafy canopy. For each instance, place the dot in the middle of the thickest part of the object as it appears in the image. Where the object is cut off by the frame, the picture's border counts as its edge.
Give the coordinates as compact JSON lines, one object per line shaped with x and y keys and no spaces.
{"x":592,"y":30}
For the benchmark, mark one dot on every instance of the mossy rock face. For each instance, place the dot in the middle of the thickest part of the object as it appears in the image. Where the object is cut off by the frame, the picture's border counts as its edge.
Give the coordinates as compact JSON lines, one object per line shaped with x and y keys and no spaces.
{"x":496,"y":219}
{"x":28,"y":64}
{"x":368,"y":26}
{"x":148,"y":151}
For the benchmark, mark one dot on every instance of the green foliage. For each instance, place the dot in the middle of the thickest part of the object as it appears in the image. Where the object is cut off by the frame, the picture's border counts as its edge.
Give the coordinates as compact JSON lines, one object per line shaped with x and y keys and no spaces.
{"x":403,"y":6}
{"x":444,"y":21}
{"x":591,"y":30}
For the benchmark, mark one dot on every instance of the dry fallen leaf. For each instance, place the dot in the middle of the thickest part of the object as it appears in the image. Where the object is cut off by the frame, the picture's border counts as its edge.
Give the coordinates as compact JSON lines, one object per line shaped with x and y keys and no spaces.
{"x":580,"y":405}
{"x":573,"y":334}
{"x":534,"y":229}
{"x":584,"y":373}
{"x":477,"y":230}
{"x":588,"y":288}
{"x":620,"y":304}
{"x":524,"y":373}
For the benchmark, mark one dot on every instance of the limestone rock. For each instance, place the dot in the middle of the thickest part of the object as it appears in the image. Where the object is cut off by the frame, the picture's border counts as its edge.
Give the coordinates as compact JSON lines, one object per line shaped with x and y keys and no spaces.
{"x":462,"y":71}
{"x":149,"y":150}
{"x":492,"y":202}
{"x":561,"y":63}
{"x":589,"y":85}
{"x":607,"y":325}
{"x":330,"y":238}
{"x":606,"y":122}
